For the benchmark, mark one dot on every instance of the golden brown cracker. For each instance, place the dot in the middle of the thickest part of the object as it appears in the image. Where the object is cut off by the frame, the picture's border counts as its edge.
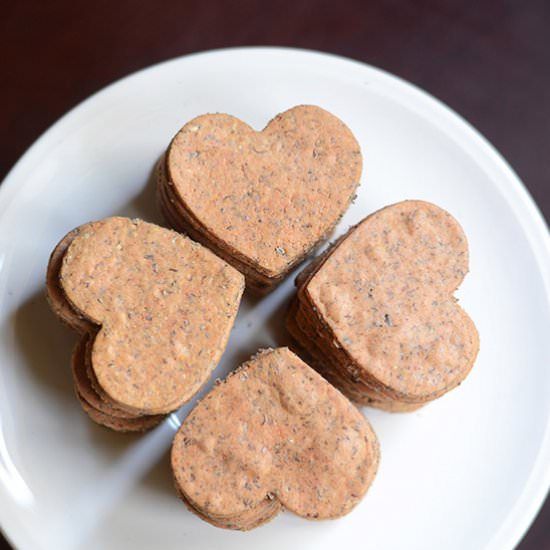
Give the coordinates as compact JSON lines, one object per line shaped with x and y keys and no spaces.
{"x":384,"y":296}
{"x":164,"y":305}
{"x":274,"y":429}
{"x":267,"y":198}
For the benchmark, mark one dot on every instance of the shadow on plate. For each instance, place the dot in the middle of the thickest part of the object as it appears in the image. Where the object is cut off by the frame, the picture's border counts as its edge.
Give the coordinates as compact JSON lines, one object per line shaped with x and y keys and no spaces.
{"x":159,"y":477}
{"x":277,"y":324}
{"x":115,"y":443}
{"x":46,"y":345}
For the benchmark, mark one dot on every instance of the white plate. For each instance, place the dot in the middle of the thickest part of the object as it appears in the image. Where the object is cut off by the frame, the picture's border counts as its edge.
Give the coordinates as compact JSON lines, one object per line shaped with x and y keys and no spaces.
{"x":466,"y":472}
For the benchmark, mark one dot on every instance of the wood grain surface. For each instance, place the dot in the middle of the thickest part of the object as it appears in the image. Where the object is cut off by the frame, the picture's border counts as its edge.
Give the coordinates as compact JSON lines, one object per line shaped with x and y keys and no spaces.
{"x":488,"y":60}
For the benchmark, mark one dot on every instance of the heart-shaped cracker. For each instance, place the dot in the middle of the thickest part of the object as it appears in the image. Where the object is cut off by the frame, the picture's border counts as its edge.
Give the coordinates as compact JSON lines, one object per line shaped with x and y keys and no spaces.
{"x":273,"y":434}
{"x":378,"y":313}
{"x":156,"y":306}
{"x":261,"y":200}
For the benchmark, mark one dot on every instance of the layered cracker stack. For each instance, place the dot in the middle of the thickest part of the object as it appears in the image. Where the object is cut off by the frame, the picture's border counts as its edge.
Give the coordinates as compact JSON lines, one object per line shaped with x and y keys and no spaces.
{"x":273,"y":435}
{"x":376,"y":311}
{"x":154,"y":310}
{"x":265,"y":200}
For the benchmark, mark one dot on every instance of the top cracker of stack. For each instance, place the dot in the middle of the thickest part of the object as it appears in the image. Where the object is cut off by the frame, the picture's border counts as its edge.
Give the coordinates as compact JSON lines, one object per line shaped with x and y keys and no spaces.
{"x":377,"y":313}
{"x":273,"y":435}
{"x":154,"y":310}
{"x":260,"y":200}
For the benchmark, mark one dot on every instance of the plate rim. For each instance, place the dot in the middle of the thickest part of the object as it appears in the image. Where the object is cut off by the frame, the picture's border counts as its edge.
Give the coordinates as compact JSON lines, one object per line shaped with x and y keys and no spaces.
{"x":528,"y":215}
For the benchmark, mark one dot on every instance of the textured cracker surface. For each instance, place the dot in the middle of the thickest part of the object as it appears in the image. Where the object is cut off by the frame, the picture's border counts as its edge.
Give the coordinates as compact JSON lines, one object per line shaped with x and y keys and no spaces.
{"x":165,"y":306}
{"x":275,"y":429}
{"x":83,"y":384}
{"x":179,"y":220}
{"x":96,"y":409}
{"x":268,"y":196}
{"x":385,"y":293}
{"x":329,"y":367}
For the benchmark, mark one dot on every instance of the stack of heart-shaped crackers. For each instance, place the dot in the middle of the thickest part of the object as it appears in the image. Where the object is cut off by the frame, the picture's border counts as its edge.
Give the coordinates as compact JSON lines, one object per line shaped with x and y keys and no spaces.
{"x":377,"y":314}
{"x":261,"y":200}
{"x":154,"y":310}
{"x":273,"y":435}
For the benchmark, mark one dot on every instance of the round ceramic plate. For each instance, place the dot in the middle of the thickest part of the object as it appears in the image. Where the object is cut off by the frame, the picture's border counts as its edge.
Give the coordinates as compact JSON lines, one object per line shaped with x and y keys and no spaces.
{"x":467,"y":471}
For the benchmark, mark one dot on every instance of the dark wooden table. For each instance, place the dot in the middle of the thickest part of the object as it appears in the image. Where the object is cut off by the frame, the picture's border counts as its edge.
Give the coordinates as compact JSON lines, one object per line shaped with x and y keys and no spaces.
{"x":488,"y":60}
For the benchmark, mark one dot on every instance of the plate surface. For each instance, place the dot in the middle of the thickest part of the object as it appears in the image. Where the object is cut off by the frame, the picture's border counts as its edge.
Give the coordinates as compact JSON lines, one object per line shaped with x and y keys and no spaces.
{"x":467,"y":471}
